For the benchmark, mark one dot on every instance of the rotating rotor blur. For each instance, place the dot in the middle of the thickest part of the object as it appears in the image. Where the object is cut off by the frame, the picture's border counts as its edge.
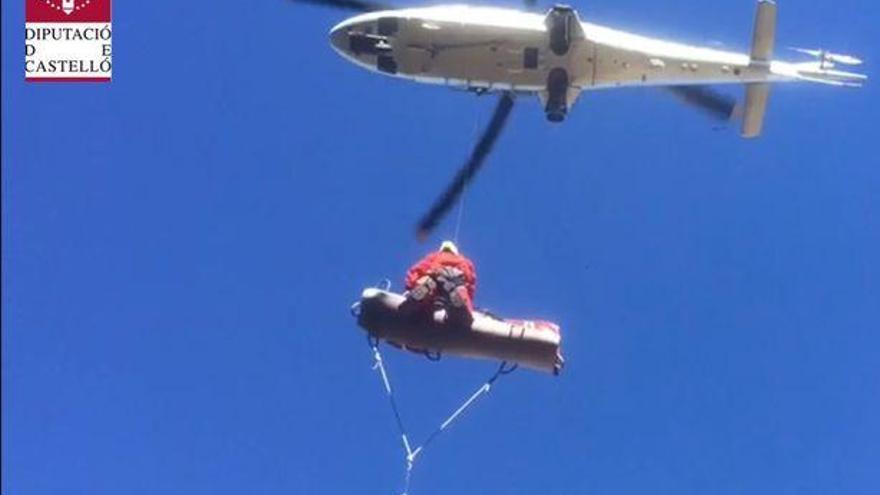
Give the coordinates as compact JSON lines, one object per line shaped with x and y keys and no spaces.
{"x":714,"y":104}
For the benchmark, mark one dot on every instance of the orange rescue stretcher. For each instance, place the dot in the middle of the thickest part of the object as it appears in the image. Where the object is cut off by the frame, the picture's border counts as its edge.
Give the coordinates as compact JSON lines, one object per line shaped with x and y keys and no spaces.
{"x":533,"y":344}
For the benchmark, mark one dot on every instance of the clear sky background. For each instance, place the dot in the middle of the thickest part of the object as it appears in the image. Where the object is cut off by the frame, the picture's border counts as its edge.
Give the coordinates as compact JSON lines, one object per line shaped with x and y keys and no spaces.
{"x":180,"y":248}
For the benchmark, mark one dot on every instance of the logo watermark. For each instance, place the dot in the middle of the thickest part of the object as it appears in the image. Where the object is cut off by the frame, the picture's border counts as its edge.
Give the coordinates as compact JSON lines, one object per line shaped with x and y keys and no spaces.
{"x":68,"y":40}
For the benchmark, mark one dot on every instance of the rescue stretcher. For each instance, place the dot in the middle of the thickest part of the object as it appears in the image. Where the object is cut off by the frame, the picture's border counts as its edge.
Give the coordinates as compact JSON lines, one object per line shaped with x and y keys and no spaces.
{"x":534,"y":344}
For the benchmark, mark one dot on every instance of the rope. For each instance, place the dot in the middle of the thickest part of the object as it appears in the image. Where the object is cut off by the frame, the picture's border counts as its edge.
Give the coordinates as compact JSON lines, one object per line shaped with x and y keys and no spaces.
{"x":381,"y":367}
{"x":474,"y":137}
{"x":460,"y":214}
{"x":412,"y":454}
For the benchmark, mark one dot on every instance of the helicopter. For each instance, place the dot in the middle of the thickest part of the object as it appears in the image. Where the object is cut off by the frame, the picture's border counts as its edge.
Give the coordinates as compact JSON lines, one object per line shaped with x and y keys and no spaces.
{"x":556,"y":56}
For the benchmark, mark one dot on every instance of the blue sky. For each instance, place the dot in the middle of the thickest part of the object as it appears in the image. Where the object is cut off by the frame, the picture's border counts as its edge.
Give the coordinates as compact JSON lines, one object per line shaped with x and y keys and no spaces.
{"x":180,"y":248}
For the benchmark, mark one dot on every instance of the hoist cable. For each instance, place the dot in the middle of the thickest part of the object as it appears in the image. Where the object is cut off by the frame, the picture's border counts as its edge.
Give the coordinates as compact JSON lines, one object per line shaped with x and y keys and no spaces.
{"x":461,"y":199}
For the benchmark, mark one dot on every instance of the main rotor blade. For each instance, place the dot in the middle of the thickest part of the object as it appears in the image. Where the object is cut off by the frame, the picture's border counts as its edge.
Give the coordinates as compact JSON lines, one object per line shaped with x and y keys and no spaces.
{"x":357,"y":5}
{"x":467,"y":172}
{"x":715,"y":104}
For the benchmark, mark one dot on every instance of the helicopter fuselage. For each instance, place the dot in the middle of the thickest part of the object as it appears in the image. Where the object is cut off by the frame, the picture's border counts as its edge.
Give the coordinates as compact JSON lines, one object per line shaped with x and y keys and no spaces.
{"x":554,"y":55}
{"x":494,"y":48}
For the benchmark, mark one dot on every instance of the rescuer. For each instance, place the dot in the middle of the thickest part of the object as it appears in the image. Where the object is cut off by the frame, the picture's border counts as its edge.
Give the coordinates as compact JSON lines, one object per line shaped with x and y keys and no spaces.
{"x":443,"y":278}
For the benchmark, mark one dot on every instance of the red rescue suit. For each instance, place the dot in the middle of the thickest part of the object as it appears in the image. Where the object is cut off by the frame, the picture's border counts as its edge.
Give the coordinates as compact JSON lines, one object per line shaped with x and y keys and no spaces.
{"x":437,"y":266}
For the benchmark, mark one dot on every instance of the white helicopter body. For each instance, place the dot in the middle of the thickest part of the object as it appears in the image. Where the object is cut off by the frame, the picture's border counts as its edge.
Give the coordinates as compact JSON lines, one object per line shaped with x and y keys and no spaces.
{"x":557,"y":56}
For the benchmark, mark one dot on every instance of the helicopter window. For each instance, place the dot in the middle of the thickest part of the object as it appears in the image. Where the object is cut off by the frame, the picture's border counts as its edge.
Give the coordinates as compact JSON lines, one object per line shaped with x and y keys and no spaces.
{"x":387,"y":25}
{"x":530,"y":58}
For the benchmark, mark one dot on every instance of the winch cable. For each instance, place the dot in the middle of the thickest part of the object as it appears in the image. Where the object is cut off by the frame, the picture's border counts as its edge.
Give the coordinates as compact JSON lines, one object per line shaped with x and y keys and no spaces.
{"x":460,"y":215}
{"x":412,"y":454}
{"x":475,"y":135}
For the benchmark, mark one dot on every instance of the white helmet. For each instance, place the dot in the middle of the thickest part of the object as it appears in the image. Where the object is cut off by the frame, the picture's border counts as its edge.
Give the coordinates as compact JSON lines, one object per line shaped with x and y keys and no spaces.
{"x":449,"y":247}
